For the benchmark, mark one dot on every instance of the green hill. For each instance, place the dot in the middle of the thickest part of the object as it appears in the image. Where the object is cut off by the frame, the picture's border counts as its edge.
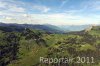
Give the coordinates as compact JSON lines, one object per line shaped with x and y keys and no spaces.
{"x":25,"y":48}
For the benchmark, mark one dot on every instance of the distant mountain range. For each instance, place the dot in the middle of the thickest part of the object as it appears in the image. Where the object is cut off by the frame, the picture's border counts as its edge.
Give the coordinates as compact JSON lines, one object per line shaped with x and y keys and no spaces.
{"x":74,"y":27}
{"x":45,"y":27}
{"x":20,"y":27}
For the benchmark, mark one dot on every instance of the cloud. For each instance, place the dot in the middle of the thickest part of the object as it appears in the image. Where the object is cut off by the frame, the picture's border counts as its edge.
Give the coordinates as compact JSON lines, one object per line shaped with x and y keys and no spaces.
{"x":96,"y":5}
{"x":41,"y":8}
{"x":91,"y":5}
{"x":63,"y":3}
{"x":16,"y":9}
{"x":55,"y":19}
{"x":19,"y":6}
{"x":8,"y":18}
{"x":11,"y":6}
{"x":2,"y":5}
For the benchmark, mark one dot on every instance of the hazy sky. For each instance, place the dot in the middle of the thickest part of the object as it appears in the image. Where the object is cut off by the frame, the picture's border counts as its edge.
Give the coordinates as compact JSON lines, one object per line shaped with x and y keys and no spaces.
{"x":57,"y":12}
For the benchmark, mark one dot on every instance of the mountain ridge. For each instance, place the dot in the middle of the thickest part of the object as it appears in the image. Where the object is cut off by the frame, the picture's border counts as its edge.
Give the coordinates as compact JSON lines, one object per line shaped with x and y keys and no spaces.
{"x":46,"y":28}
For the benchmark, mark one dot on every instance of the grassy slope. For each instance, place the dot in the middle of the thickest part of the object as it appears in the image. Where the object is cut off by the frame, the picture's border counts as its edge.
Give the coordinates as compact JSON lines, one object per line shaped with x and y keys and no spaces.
{"x":31,"y":56}
{"x":29,"y":53}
